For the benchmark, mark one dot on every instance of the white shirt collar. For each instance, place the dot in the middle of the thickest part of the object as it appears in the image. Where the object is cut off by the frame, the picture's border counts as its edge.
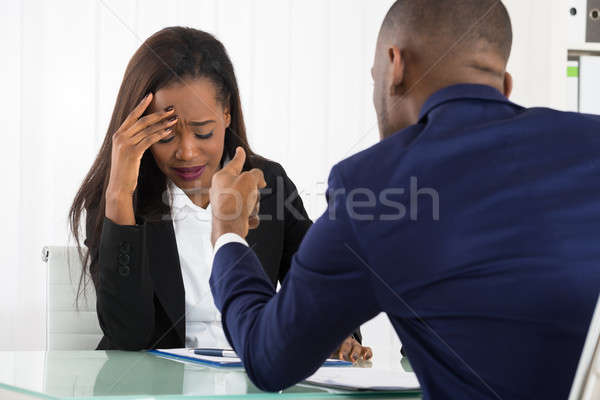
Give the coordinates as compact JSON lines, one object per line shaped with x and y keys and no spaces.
{"x":182,"y":206}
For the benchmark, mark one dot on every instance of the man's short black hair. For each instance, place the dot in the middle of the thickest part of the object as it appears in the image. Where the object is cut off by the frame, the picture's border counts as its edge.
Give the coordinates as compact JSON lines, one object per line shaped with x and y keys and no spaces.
{"x":446,"y":22}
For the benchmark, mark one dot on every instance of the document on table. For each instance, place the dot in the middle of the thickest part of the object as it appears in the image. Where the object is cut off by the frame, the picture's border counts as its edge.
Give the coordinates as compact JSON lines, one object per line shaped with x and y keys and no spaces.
{"x":365,"y":379}
{"x":188,"y":355}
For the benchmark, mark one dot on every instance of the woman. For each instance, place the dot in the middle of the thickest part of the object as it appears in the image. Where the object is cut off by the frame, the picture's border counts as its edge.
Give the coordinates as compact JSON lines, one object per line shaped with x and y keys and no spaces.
{"x":148,"y":217}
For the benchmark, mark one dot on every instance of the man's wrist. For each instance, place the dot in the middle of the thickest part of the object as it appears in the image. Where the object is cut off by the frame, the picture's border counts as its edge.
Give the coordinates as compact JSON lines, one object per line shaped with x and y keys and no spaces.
{"x":227,"y":238}
{"x":220,"y":228}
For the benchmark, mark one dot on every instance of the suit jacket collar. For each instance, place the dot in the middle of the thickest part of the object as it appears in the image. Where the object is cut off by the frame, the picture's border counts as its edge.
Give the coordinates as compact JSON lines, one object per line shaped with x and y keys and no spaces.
{"x":461,"y":92}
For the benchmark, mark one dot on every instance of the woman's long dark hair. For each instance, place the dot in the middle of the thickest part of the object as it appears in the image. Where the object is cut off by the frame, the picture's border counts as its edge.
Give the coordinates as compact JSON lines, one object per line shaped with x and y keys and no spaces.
{"x":170,"y":56}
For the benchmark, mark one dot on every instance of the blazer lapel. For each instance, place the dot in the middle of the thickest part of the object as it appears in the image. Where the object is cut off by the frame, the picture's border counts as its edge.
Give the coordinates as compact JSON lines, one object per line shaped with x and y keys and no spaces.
{"x":165,"y":269}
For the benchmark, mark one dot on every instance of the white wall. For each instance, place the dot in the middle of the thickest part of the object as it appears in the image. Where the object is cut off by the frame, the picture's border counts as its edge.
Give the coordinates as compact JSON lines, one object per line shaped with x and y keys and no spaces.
{"x":10,"y":155}
{"x":303,"y":67}
{"x":539,"y":56}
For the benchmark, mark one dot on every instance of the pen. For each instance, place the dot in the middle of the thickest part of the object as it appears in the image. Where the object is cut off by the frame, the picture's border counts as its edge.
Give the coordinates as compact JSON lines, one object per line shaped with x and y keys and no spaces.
{"x":216,"y":353}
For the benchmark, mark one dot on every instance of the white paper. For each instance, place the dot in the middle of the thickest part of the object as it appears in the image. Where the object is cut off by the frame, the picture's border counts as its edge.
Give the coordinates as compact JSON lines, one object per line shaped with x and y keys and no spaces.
{"x":365,"y":379}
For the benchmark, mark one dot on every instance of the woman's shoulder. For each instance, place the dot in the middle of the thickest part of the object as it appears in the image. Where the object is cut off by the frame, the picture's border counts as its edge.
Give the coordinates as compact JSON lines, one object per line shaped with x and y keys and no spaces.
{"x":274,"y":173}
{"x":270,"y":169}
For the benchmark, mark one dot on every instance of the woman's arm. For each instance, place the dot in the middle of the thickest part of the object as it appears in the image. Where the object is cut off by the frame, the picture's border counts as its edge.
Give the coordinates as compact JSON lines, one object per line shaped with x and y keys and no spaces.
{"x":124,"y":289}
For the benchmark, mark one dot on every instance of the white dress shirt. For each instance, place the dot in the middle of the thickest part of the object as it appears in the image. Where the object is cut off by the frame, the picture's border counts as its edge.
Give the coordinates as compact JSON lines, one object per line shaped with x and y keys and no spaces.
{"x":192,"y":225}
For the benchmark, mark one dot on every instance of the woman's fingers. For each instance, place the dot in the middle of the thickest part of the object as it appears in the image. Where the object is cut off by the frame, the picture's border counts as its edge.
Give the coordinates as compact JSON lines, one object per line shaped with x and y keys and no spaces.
{"x":352,"y":350}
{"x":367,"y":353}
{"x":155,"y":128}
{"x":150,"y":121}
{"x":356,"y":351}
{"x":344,"y":350}
{"x":137,"y":112}
{"x":149,"y":140}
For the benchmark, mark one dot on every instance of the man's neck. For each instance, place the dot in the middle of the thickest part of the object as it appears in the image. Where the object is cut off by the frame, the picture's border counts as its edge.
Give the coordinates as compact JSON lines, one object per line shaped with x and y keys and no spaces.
{"x":400,"y":118}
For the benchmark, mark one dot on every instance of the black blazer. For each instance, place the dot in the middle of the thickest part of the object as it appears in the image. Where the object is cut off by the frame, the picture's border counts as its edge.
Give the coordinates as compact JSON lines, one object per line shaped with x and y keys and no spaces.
{"x":139,"y":290}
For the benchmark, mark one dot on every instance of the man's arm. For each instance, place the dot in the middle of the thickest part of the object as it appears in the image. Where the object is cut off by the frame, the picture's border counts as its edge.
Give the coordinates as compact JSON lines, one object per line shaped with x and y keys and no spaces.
{"x":283,"y":338}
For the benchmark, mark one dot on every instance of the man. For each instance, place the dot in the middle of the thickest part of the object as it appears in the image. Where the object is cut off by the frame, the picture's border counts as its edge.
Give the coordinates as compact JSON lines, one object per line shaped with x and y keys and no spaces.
{"x":474,"y":224}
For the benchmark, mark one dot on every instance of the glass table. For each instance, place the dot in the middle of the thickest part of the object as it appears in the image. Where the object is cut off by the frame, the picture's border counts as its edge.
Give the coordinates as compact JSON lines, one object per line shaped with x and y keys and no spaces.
{"x":54,"y":375}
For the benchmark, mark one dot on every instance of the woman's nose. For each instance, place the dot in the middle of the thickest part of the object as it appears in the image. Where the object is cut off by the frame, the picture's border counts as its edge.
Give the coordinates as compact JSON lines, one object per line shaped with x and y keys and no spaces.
{"x":187,"y":149}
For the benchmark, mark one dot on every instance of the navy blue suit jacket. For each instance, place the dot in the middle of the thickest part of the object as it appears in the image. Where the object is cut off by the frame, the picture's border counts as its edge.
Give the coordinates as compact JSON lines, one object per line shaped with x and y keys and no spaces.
{"x":477,"y":230}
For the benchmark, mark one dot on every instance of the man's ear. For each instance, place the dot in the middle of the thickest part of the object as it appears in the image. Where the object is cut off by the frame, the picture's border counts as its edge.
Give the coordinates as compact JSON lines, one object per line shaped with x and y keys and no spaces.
{"x":397,"y":65}
{"x":508,"y":84}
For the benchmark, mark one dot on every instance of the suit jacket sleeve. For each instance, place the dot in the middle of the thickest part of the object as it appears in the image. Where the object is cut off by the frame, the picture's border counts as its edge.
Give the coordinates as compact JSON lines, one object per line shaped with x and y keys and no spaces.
{"x":318,"y":300}
{"x":124,"y":291}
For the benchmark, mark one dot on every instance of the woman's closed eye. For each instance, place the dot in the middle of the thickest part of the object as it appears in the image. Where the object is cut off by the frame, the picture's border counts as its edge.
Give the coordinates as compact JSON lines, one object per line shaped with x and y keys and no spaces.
{"x":167,"y":140}
{"x":203,"y":136}
{"x":197,"y":135}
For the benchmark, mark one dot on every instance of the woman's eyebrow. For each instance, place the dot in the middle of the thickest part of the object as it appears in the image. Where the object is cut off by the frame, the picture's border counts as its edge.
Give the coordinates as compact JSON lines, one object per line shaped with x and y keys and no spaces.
{"x":201,"y":123}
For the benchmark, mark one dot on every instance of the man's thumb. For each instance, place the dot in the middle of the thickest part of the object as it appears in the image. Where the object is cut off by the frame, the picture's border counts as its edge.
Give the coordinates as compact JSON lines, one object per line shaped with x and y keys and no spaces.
{"x":236,"y":165}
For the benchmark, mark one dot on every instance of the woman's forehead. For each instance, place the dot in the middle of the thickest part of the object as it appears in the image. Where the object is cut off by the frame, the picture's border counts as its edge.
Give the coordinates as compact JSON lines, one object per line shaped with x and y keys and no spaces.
{"x":191,"y":98}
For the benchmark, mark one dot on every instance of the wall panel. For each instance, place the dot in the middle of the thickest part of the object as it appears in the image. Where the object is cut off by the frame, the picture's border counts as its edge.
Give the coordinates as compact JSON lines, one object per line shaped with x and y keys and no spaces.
{"x":304,"y":74}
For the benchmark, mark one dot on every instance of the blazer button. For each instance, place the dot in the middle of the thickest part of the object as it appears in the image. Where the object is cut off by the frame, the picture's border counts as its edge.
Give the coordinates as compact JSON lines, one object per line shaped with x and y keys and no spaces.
{"x":124,"y":270}
{"x":124,"y":259}
{"x":125,"y":247}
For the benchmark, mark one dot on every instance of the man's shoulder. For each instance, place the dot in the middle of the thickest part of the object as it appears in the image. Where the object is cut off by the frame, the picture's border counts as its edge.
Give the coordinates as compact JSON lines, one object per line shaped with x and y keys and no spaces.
{"x":591,"y":119}
{"x":554,"y":116}
{"x":376,"y":162}
{"x":563,"y":129}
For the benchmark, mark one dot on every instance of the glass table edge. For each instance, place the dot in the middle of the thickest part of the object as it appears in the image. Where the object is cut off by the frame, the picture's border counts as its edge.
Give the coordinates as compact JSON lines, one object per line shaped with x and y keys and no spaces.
{"x":349,"y":394}
{"x":31,"y":393}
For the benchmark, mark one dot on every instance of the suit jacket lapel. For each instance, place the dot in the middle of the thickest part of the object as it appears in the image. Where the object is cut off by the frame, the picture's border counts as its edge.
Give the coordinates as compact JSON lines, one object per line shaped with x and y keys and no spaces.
{"x":163,"y":259}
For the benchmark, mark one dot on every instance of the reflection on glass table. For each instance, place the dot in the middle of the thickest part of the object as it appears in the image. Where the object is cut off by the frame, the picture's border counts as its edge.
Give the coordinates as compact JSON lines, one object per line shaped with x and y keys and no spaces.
{"x":132,"y":375}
